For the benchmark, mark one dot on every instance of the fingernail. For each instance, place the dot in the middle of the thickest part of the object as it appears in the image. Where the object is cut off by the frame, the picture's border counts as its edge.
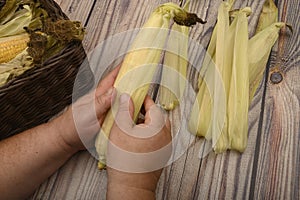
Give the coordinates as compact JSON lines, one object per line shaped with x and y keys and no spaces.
{"x":110,"y":91}
{"x":124,"y":98}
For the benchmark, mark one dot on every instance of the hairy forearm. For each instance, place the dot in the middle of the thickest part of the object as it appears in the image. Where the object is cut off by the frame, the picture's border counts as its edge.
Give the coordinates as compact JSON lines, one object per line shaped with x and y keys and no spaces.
{"x":123,"y":185}
{"x":29,"y":158}
{"x":119,"y":191}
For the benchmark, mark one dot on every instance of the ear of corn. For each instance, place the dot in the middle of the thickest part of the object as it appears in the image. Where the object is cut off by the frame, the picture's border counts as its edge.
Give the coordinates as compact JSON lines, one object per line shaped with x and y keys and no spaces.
{"x":139,"y":65}
{"x":11,"y":46}
{"x":15,"y":67}
{"x":268,"y":16}
{"x":223,"y":63}
{"x":174,"y":68}
{"x":238,"y":101}
{"x":241,"y":68}
{"x":228,"y":47}
{"x":264,"y":41}
{"x":201,"y":117}
{"x":202,"y":110}
{"x":135,"y":59}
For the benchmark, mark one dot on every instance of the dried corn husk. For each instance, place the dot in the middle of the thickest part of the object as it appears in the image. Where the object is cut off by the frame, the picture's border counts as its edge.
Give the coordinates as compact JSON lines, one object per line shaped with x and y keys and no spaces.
{"x":175,"y":64}
{"x":238,"y":101}
{"x":264,"y":41}
{"x":268,"y":16}
{"x":16,"y":24}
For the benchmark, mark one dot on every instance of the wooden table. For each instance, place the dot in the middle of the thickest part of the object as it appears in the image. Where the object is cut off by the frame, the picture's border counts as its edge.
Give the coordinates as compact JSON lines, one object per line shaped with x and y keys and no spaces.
{"x":270,"y":166}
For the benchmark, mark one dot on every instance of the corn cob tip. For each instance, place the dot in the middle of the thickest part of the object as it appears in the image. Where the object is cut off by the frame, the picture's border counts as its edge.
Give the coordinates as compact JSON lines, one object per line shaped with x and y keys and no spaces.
{"x":101,"y":166}
{"x":170,"y":106}
{"x":180,"y":15}
{"x":290,"y":27}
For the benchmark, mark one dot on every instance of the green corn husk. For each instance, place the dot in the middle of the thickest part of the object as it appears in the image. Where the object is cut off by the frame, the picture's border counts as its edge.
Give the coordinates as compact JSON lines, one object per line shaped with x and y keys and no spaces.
{"x":16,"y":24}
{"x":224,"y":50}
{"x":223,"y":63}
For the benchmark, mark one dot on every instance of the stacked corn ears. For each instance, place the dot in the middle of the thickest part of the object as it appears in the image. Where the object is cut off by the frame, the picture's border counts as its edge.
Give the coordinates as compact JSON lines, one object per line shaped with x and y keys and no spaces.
{"x":220,"y":112}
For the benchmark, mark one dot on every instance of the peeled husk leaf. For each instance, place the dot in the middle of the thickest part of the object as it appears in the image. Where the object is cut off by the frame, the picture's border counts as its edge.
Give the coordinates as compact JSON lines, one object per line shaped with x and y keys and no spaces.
{"x":15,"y":67}
{"x":268,"y":16}
{"x":16,"y":24}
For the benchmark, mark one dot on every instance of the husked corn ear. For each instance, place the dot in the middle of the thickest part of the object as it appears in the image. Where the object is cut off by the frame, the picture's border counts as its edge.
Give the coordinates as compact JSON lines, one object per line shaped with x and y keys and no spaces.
{"x":268,"y":16}
{"x":11,"y":46}
{"x":139,"y":66}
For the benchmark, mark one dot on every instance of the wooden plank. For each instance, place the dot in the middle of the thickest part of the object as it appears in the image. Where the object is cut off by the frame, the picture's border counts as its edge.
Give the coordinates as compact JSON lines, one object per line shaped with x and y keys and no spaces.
{"x":112,"y":17}
{"x":277,"y":166}
{"x":77,"y":10}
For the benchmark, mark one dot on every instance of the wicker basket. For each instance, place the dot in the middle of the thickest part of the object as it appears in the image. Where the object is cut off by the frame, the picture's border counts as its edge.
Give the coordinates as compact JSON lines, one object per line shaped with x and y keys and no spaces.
{"x":43,"y":91}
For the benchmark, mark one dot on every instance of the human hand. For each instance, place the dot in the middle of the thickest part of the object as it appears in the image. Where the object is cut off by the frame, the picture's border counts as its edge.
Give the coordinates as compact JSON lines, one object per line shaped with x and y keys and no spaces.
{"x":82,"y":120}
{"x":137,"y":153}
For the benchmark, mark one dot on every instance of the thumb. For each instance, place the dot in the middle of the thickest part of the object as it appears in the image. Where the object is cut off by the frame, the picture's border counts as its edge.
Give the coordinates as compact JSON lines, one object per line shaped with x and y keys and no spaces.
{"x":103,"y":102}
{"x":124,"y":117}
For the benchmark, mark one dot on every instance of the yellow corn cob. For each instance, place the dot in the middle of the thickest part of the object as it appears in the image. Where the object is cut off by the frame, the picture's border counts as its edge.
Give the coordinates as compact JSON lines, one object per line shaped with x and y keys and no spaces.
{"x":11,"y":46}
{"x":134,"y":79}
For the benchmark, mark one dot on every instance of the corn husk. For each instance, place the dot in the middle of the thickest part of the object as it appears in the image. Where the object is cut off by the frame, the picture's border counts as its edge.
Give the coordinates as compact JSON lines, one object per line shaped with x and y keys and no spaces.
{"x":268,"y":16}
{"x":238,"y":101}
{"x":173,"y":80}
{"x":264,"y":41}
{"x":240,"y":66}
{"x":134,"y":79}
{"x":16,"y":24}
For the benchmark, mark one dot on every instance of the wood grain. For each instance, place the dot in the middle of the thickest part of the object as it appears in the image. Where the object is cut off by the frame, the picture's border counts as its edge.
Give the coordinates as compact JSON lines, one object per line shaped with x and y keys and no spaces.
{"x":277,"y":169}
{"x":268,"y":169}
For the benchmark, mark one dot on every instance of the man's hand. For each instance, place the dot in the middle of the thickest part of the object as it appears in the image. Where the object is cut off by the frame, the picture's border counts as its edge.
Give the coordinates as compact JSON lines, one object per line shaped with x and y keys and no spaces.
{"x":137,"y":153}
{"x":82,"y":120}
